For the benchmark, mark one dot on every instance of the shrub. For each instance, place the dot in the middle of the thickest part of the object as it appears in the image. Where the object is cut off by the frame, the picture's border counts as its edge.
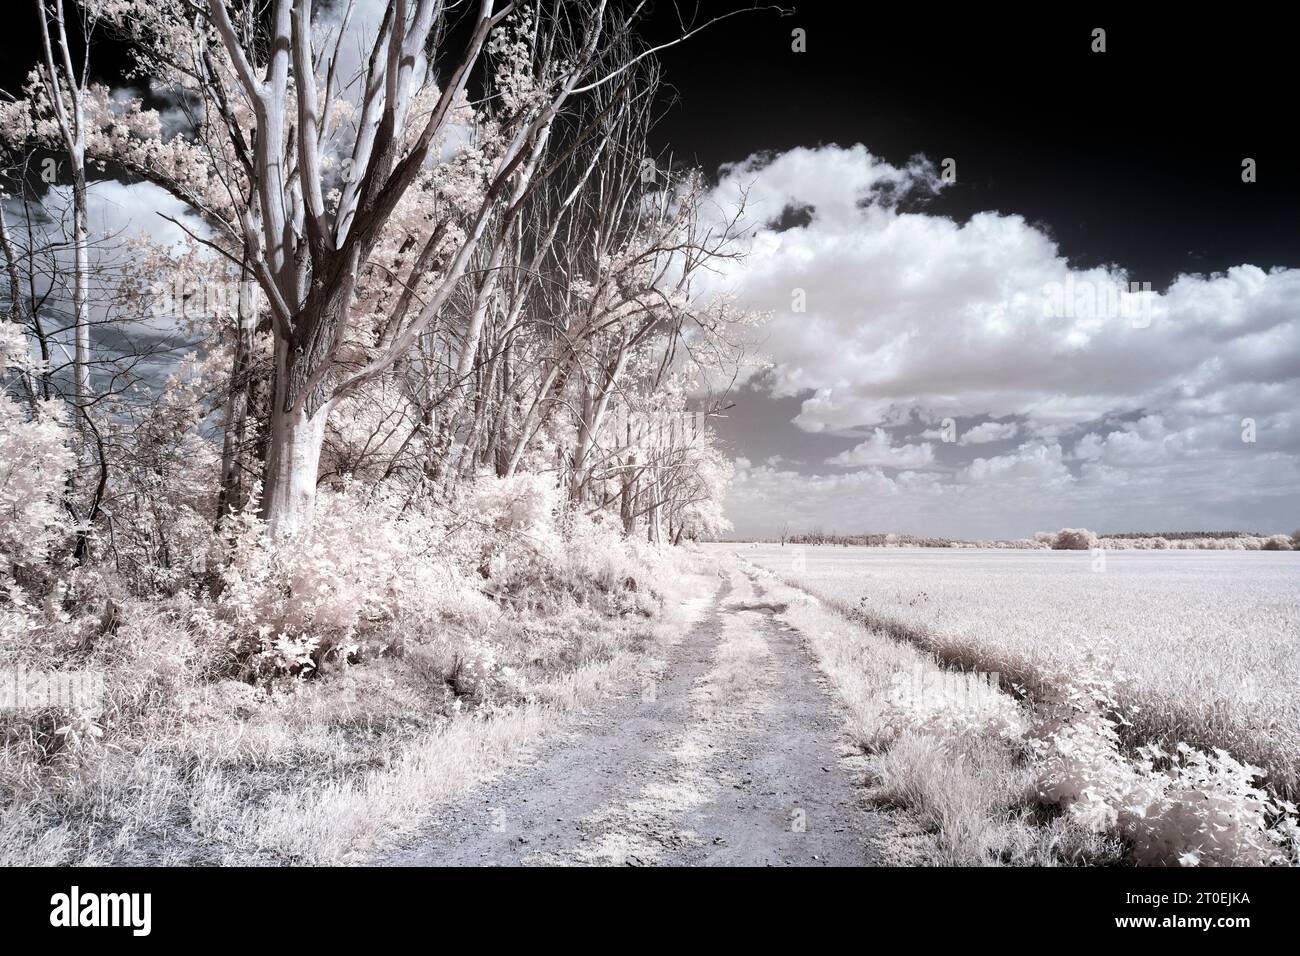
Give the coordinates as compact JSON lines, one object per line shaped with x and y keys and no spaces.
{"x":1277,"y":542}
{"x":950,"y":704}
{"x":1188,"y":808}
{"x":1074,"y":539}
{"x":35,"y":459}
{"x":164,"y":474}
{"x":534,"y":548}
{"x":1077,"y":746}
{"x":627,"y":571}
{"x":362,"y":566}
{"x":519,"y":528}
{"x":1204,"y":809}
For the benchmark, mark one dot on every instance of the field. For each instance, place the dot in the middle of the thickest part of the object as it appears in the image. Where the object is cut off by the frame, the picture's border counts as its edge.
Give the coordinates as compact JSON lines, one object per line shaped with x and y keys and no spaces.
{"x":1204,"y":646}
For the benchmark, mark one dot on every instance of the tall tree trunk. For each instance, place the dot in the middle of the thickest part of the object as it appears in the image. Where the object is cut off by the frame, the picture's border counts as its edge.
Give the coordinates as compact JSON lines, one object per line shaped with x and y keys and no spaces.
{"x":62,"y":77}
{"x":231,"y":496}
{"x":80,"y":279}
{"x":653,"y":531}
{"x":300,"y":410}
{"x":578,"y":476}
{"x":289,"y":493}
{"x":625,"y":506}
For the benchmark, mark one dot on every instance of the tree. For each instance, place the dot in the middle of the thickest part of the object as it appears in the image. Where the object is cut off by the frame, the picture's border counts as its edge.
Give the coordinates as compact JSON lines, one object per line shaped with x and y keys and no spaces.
{"x":65,"y":88}
{"x":469,"y":280}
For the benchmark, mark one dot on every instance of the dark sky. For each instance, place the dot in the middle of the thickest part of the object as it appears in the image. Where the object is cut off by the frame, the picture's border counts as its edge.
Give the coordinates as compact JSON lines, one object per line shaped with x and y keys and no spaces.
{"x":1131,"y":156}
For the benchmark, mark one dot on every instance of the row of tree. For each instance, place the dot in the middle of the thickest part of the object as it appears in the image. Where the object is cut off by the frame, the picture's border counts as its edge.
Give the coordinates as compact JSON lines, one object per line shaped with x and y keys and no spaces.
{"x":416,"y":252}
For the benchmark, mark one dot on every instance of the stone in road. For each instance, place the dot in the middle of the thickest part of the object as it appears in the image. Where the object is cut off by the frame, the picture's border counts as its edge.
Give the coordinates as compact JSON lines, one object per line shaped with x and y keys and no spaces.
{"x":729,"y":756}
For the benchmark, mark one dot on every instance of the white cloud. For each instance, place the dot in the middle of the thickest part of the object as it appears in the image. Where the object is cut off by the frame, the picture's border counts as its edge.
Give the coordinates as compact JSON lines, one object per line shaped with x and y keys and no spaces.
{"x":1033,"y":461}
{"x":911,"y":318}
{"x":987,"y":432}
{"x":117,"y":213}
{"x":879,"y":451}
{"x":958,"y":319}
{"x":1135,"y":444}
{"x":1030,"y":489}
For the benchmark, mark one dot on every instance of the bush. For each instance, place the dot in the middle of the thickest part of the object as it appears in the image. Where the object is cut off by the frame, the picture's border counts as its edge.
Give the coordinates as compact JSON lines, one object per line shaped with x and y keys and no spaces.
{"x":361,"y":567}
{"x":164,"y":473}
{"x":1074,"y":539}
{"x":1187,"y":808}
{"x":35,"y":459}
{"x":518,"y":522}
{"x":1204,"y":809}
{"x":368,"y":574}
{"x":1278,"y":542}
{"x":534,"y":548}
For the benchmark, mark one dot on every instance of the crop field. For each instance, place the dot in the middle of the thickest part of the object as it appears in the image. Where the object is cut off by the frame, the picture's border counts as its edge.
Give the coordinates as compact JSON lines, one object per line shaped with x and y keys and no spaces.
{"x":1204,"y":646}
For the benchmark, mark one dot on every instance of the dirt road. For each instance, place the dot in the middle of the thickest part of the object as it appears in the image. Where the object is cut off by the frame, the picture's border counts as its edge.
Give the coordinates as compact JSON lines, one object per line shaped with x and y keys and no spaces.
{"x":728,"y":755}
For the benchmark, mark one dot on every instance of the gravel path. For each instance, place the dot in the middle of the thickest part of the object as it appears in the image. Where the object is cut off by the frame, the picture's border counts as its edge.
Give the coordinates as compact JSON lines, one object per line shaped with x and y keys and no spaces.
{"x":731,"y":756}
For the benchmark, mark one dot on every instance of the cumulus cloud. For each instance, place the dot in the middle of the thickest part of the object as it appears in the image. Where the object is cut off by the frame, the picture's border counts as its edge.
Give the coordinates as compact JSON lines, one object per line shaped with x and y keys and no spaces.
{"x":1033,"y":461}
{"x":986,"y":432}
{"x":1033,"y":488}
{"x":879,"y":450}
{"x":983,"y":317}
{"x":1135,"y":444}
{"x":911,"y":318}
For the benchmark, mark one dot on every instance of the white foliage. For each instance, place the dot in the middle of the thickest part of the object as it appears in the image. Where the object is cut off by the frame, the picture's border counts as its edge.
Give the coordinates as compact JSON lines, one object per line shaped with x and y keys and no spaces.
{"x":35,"y":459}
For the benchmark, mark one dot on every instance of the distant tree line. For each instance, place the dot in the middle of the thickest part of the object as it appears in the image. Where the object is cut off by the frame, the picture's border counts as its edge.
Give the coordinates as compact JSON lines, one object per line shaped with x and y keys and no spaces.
{"x":1181,"y":535}
{"x":1066,"y":539}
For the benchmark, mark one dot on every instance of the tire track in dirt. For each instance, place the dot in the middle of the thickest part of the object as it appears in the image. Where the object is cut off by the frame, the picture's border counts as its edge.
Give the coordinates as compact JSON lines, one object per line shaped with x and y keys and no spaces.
{"x":730,"y":756}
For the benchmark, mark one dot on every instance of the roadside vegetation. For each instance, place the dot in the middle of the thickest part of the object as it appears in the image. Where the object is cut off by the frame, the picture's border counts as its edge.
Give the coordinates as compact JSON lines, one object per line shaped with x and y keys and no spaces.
{"x":226,"y":736}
